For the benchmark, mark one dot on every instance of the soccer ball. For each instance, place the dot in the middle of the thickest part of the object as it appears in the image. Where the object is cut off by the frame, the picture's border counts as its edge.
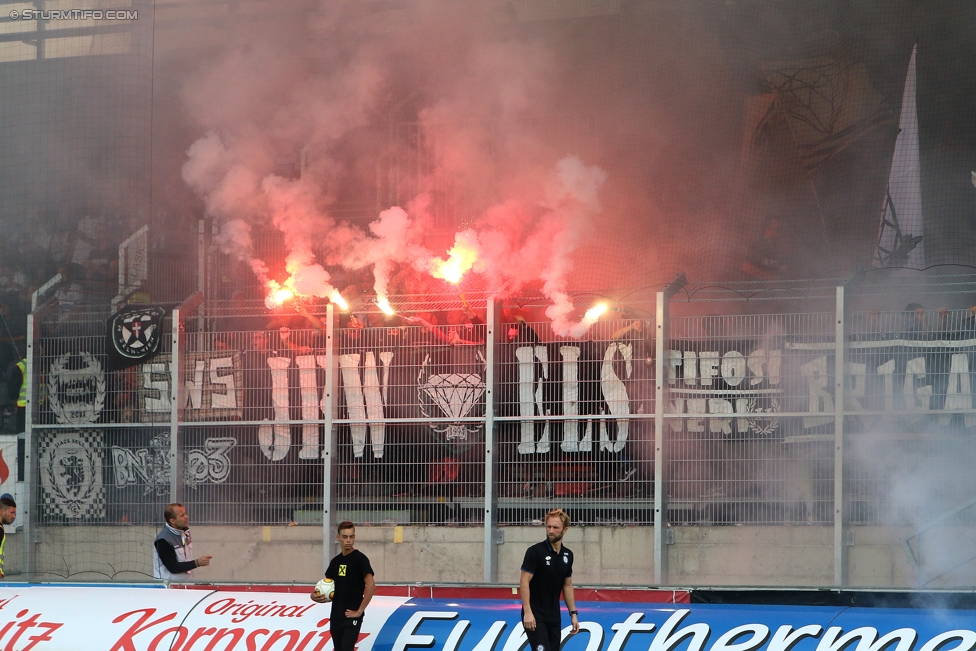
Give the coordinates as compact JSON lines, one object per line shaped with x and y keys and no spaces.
{"x":325,"y":587}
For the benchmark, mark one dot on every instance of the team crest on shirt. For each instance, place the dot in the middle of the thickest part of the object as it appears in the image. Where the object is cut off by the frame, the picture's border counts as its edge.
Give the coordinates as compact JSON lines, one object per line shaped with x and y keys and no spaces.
{"x":566,"y":559}
{"x":342,"y":570}
{"x":540,"y":648}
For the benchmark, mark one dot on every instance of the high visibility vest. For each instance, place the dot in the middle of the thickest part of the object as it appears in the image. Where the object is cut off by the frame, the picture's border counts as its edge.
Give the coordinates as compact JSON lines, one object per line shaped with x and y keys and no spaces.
{"x":22,"y":398}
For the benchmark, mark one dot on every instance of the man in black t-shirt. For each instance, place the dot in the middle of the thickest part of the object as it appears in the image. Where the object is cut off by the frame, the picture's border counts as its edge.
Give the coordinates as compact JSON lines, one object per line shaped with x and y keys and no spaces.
{"x":354,"y":588}
{"x":547,"y":571}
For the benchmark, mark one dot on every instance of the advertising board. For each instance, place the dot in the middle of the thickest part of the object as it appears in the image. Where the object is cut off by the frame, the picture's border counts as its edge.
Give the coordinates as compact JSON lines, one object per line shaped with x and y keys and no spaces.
{"x":148,"y":619}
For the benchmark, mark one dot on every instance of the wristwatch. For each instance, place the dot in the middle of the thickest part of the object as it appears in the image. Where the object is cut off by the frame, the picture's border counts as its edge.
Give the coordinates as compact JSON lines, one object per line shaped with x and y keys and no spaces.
{"x":573,"y":612}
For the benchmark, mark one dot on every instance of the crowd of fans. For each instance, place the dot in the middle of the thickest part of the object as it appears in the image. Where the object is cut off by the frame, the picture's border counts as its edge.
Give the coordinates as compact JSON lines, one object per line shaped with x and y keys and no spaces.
{"x":84,"y":254}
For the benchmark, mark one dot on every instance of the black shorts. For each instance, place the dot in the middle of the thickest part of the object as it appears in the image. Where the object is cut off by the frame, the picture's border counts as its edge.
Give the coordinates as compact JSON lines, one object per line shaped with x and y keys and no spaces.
{"x":345,"y":633}
{"x":545,"y":637}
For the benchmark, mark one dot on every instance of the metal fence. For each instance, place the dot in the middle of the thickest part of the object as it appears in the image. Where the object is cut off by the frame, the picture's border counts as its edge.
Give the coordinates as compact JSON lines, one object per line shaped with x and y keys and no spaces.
{"x":309,"y":416}
{"x":742,"y":447}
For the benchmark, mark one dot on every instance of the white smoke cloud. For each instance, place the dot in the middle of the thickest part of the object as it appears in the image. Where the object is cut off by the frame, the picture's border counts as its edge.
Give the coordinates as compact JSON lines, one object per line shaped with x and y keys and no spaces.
{"x":396,"y":238}
{"x":234,"y":239}
{"x":295,"y":212}
{"x":573,"y":196}
{"x":230,"y":193}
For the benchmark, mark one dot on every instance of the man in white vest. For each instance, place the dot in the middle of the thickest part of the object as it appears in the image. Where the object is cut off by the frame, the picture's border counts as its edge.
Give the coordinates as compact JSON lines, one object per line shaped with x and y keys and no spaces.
{"x":172,"y":550}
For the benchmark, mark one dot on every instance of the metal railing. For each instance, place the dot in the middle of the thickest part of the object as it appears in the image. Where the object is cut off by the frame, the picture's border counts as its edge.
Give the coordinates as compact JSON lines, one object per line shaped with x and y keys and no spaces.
{"x":252,"y":417}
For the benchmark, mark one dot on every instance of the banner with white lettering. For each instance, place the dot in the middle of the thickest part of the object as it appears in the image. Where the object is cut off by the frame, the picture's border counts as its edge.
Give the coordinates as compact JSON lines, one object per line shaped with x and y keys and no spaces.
{"x":576,"y":379}
{"x":143,"y":619}
{"x":211,"y":387}
{"x":496,"y":626}
{"x":582,"y":407}
{"x":926,"y":377}
{"x":739,"y":381}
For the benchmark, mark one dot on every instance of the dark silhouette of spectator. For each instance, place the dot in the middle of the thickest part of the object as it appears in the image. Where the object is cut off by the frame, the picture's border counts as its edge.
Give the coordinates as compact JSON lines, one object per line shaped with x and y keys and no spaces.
{"x":913,"y":319}
{"x":17,"y":393}
{"x":69,"y":294}
{"x":766,"y":260}
{"x":461,"y":330}
{"x":13,"y":329}
{"x":234,"y":327}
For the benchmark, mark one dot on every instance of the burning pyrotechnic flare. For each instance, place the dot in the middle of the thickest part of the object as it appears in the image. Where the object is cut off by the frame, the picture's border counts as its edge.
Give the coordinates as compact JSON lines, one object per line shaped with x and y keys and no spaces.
{"x":462,"y":256}
{"x":277,"y":295}
{"x":590,"y":317}
{"x":337,"y":299}
{"x":283,"y":294}
{"x":305,"y":279}
{"x":385,"y":306}
{"x":593,"y":314}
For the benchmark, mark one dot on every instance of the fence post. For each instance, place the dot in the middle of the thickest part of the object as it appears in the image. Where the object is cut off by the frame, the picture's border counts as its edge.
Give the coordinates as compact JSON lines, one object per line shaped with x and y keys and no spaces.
{"x":493,"y":327}
{"x":840,"y":338}
{"x":202,"y":255}
{"x":329,"y":406}
{"x":25,"y":511}
{"x":661,"y":337}
{"x":176,"y":383}
{"x":29,"y":483}
{"x":177,"y":392}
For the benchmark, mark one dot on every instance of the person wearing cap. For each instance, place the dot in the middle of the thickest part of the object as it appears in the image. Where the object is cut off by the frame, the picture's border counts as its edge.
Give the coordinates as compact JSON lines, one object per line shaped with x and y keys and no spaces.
{"x":8,"y":512}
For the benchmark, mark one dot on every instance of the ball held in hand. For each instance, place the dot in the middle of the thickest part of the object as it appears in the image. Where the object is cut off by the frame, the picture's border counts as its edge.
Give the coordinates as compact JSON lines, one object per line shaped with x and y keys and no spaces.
{"x":326,"y":588}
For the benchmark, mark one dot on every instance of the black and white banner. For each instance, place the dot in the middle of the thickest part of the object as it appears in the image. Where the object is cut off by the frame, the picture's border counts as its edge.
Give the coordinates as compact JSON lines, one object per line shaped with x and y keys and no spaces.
{"x":926,"y":378}
{"x":406,"y":404}
{"x":738,"y":383}
{"x":134,"y":336}
{"x":70,"y":468}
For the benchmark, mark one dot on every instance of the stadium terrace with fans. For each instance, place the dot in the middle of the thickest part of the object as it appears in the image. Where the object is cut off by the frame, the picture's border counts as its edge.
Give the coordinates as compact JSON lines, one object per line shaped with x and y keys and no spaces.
{"x":699,"y":274}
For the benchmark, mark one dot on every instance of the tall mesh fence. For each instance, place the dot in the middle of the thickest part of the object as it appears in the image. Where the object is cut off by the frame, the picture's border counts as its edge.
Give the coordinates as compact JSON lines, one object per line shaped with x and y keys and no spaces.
{"x":741,"y":140}
{"x":102,"y":453}
{"x":742,"y":366}
{"x":394,"y":412}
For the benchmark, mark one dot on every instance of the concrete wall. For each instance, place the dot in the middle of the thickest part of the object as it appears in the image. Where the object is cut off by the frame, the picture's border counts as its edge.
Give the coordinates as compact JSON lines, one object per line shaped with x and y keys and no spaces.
{"x":788,"y":556}
{"x":783,"y":555}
